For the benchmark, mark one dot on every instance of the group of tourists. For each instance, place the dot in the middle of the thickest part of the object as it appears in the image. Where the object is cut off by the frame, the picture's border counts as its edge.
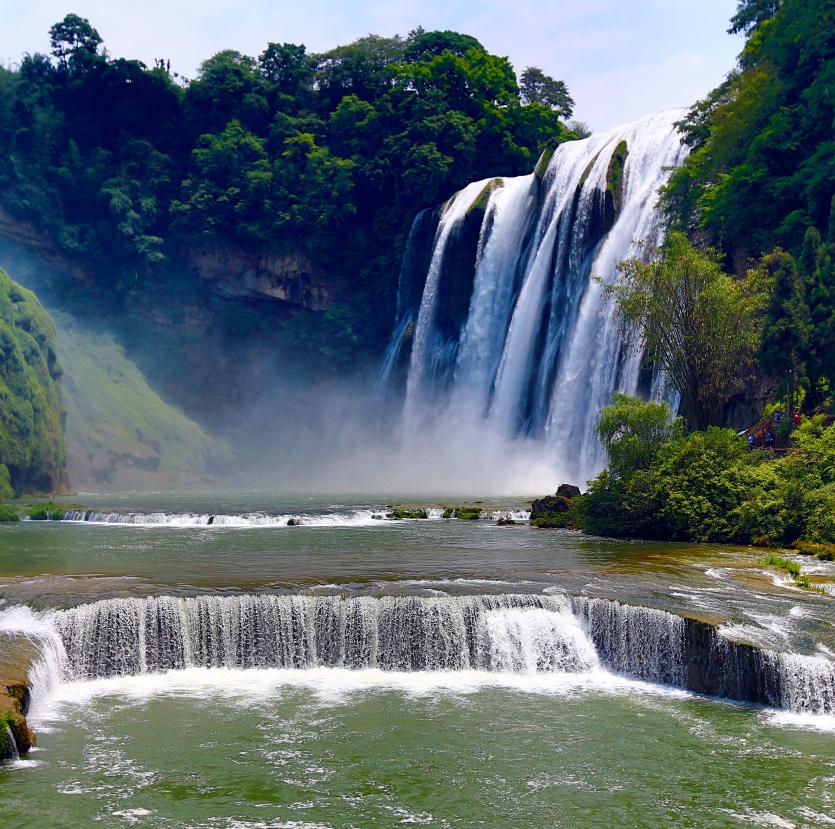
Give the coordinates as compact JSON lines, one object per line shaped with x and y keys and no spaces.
{"x":763,"y":434}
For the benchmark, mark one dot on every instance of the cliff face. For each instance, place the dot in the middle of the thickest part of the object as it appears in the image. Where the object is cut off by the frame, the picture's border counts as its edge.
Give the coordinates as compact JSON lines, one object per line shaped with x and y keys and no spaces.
{"x":290,"y":277}
{"x":32,"y":457}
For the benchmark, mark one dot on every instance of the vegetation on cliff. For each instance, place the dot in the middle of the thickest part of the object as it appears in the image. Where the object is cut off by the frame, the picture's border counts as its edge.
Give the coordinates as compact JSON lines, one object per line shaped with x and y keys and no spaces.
{"x":122,"y":165}
{"x":760,"y":181}
{"x":32,"y":455}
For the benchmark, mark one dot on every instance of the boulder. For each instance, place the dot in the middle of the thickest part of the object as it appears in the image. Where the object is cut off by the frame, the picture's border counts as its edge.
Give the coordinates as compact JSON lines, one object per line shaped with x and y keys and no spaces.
{"x":14,"y":702}
{"x":568,"y":491}
{"x":550,"y":503}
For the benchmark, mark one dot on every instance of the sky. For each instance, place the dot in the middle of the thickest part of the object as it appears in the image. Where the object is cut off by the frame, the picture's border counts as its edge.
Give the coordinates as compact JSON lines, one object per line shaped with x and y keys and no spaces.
{"x":621,"y":59}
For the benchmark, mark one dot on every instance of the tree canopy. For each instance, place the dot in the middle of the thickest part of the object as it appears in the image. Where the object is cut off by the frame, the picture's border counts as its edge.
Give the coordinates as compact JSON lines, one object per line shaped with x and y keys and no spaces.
{"x":333,"y":153}
{"x":698,"y":325}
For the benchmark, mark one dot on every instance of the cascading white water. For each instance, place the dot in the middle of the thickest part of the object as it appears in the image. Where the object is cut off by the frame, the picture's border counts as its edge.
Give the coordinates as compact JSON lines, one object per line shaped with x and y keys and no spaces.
{"x":512,"y":633}
{"x":541,"y":350}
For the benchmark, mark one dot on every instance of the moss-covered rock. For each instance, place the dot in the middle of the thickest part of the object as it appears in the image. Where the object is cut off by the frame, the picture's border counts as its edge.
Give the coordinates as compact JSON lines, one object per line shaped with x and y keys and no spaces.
{"x":455,"y":284}
{"x":399,"y":513}
{"x":544,"y":161}
{"x":614,"y":182}
{"x":463,"y":513}
{"x":14,"y":702}
{"x":32,"y":457}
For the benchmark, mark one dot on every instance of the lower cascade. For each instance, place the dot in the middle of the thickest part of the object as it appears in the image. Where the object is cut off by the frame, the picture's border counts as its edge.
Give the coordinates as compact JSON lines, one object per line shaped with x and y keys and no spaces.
{"x":521,"y":634}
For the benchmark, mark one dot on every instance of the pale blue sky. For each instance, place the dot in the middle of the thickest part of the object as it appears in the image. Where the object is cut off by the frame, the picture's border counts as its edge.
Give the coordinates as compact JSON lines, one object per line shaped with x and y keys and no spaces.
{"x":620,"y":59}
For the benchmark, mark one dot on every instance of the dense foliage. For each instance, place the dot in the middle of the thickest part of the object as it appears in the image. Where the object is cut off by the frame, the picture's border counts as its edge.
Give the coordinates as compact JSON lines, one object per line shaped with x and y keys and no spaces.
{"x":707,"y":486}
{"x":31,"y":438}
{"x":761,"y":177}
{"x":762,"y":168}
{"x":698,"y":325}
{"x":333,"y":153}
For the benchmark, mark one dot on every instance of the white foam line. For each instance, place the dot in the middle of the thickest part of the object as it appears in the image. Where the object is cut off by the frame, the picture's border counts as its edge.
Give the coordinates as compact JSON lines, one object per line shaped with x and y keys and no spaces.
{"x":338,"y":685}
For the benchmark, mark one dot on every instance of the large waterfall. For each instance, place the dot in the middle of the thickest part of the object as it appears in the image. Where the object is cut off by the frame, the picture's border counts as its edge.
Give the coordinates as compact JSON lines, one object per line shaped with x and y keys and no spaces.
{"x":502,"y":323}
{"x":507,"y":634}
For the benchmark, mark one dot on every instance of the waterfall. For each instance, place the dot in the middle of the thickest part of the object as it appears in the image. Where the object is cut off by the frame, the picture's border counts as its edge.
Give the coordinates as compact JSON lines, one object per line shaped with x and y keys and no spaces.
{"x":512,"y":633}
{"x":490,"y":633}
{"x":10,"y":751}
{"x":513,"y":332}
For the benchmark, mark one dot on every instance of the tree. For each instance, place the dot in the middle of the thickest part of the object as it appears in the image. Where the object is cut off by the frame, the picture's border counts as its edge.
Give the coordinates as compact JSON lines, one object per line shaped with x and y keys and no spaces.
{"x":286,"y":65}
{"x":425,"y":45}
{"x":75,"y":43}
{"x":786,"y":330}
{"x":750,"y":14}
{"x":633,"y":432}
{"x":698,"y":325}
{"x":539,"y":88}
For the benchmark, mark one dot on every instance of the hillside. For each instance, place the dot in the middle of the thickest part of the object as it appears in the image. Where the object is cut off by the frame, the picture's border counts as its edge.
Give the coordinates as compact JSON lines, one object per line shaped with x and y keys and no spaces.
{"x":120,"y":434}
{"x":32,"y":457}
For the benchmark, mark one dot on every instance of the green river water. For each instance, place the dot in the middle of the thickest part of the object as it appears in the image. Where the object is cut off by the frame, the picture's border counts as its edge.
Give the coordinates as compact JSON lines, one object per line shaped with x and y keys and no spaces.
{"x":341,"y":748}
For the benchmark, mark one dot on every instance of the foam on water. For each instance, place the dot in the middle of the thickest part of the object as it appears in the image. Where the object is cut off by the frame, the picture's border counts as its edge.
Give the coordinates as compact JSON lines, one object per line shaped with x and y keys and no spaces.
{"x":357,"y":517}
{"x":349,"y":518}
{"x":338,"y":646}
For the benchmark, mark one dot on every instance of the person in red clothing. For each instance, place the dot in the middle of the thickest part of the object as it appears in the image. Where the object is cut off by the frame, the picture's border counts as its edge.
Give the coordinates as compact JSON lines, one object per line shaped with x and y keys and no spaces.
{"x":795,"y":420}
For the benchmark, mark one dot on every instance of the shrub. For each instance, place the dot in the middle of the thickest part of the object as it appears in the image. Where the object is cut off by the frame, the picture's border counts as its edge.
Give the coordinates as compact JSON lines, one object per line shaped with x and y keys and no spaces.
{"x":398,"y":514}
{"x":46,"y":512}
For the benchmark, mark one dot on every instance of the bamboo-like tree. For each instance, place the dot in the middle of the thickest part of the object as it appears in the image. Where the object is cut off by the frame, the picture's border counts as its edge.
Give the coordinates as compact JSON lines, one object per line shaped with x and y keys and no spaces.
{"x":696,"y":324}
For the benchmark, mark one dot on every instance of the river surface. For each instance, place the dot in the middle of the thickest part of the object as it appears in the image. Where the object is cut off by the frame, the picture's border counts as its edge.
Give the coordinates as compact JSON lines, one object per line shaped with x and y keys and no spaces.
{"x":336,"y":747}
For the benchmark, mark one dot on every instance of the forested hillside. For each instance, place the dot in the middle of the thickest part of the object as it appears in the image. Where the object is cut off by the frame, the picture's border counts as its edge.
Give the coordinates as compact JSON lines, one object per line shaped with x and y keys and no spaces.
{"x":294,"y":176}
{"x":760,"y":182}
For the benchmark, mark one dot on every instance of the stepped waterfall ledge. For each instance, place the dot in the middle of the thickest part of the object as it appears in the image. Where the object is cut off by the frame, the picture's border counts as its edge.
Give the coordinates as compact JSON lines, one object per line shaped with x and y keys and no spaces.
{"x":505,"y":634}
{"x":500,"y":322}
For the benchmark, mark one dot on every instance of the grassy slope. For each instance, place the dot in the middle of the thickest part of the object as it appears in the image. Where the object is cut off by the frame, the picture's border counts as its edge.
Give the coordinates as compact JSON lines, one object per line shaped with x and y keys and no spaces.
{"x":120,"y":434}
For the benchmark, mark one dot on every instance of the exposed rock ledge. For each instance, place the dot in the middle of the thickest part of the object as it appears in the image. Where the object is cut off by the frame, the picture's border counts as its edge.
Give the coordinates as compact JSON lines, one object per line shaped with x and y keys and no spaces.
{"x":14,"y":704}
{"x":290,"y":277}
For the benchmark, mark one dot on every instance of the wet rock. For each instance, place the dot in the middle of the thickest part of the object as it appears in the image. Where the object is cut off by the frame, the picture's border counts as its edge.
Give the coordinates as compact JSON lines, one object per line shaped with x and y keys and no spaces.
{"x":14,"y":703}
{"x":568,"y":491}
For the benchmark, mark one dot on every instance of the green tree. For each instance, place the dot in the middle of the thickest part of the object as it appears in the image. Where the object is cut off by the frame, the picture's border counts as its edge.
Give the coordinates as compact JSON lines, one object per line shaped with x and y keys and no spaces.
{"x":633,"y":432}
{"x":786,"y":330}
{"x":75,"y":43}
{"x":698,"y":325}
{"x":539,"y":88}
{"x":286,"y":65}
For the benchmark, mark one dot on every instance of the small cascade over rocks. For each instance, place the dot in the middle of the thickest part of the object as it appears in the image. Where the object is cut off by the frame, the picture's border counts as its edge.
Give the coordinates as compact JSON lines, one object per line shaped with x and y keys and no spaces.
{"x":252,"y":519}
{"x":513,"y":633}
{"x":511,"y":332}
{"x":9,"y":746}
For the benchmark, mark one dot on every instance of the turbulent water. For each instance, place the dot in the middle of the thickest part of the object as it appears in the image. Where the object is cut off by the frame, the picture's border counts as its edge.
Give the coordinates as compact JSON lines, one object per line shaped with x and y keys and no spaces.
{"x":505,"y":634}
{"x":511,"y":332}
{"x":357,"y":671}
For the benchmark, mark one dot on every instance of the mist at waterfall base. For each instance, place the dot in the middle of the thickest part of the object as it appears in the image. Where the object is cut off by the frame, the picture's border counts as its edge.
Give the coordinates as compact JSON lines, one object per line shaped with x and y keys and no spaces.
{"x":340,"y":437}
{"x":504,"y":348}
